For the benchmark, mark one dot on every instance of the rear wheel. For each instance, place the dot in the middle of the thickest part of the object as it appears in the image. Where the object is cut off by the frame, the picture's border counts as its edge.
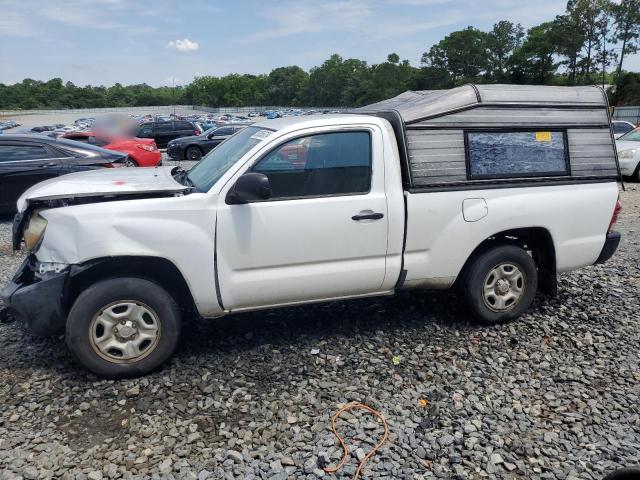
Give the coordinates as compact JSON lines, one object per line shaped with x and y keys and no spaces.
{"x":130,"y":162}
{"x":500,"y":284}
{"x":123,"y":327}
{"x":193,"y":154}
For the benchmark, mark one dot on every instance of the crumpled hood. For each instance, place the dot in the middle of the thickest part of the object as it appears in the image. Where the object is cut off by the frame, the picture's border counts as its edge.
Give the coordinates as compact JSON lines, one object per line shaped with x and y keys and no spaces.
{"x":104,"y":181}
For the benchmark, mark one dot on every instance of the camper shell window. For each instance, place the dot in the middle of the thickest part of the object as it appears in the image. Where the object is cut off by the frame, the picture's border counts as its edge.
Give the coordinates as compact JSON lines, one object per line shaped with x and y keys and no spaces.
{"x":510,"y":154}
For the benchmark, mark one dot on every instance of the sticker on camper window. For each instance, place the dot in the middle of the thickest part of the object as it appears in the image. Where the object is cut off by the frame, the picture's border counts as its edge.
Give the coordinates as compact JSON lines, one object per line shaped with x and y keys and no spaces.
{"x":543,"y":136}
{"x":261,"y":134}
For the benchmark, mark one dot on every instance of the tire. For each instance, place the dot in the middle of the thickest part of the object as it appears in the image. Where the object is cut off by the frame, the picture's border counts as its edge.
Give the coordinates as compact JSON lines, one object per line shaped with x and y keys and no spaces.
{"x":193,"y":154}
{"x":123,"y":327}
{"x":500,"y":284}
{"x":130,"y":162}
{"x":624,"y":474}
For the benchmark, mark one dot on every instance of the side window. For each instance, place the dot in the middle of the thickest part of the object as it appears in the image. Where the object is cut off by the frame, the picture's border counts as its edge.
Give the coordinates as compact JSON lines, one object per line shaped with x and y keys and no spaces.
{"x":146,"y":130}
{"x":621,"y":127}
{"x":324,"y":164}
{"x":184,"y":126}
{"x":164,"y":127}
{"x":98,"y":142}
{"x":13,"y":153}
{"x":224,"y":131}
{"x":516,"y":154}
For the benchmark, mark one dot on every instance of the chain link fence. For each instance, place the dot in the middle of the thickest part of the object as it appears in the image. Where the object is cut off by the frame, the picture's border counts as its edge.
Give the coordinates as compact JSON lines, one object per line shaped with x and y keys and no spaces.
{"x":630,"y":114}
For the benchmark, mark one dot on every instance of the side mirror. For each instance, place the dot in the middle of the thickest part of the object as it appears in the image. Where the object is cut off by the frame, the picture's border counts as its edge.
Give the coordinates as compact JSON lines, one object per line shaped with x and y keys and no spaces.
{"x":250,"y":187}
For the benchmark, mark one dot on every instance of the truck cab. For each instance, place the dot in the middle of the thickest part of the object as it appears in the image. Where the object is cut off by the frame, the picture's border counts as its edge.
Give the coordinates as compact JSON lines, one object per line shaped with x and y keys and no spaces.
{"x":425,"y":191}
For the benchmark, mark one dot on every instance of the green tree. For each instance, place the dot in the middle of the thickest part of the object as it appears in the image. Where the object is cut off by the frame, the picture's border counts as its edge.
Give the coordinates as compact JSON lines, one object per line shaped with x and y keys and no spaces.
{"x":502,"y":41}
{"x":286,"y":86}
{"x":628,"y":91}
{"x":533,"y":62}
{"x":464,"y":54}
{"x":627,"y":28}
{"x":570,"y":38}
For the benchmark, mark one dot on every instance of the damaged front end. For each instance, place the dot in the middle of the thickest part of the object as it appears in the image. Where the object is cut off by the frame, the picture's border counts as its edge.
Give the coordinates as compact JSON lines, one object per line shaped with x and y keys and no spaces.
{"x":36,"y":294}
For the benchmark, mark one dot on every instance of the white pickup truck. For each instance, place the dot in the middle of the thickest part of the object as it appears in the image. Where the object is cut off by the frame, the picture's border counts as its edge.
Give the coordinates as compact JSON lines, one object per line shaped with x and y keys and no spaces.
{"x":492,"y":189}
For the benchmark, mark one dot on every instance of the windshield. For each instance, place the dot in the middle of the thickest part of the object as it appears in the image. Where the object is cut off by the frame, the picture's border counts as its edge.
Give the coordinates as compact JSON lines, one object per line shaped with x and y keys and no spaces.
{"x":211,"y":130}
{"x":633,"y":136}
{"x":214,"y":165}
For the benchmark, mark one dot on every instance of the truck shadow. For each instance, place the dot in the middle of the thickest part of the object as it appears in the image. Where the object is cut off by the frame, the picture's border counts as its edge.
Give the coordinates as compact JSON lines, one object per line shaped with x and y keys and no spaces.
{"x":306,"y":325}
{"x":261,"y":337}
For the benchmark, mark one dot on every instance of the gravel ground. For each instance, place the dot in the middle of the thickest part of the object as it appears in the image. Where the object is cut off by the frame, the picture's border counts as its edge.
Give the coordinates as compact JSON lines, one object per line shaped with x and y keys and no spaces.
{"x":554,"y":395}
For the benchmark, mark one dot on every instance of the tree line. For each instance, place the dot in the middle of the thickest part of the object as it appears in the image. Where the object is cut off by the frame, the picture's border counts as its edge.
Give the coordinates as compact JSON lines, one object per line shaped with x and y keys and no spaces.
{"x":587,"y":44}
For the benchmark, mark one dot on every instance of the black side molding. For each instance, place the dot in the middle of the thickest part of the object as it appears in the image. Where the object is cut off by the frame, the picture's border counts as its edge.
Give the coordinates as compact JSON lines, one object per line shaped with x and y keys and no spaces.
{"x":610,"y":247}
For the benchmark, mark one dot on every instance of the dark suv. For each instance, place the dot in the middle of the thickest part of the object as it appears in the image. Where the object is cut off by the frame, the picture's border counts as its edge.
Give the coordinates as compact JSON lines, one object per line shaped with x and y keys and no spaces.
{"x":163,"y":132}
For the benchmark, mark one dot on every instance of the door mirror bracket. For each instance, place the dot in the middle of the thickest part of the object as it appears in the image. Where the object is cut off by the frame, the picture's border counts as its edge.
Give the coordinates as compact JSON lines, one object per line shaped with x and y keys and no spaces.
{"x":250,"y":187}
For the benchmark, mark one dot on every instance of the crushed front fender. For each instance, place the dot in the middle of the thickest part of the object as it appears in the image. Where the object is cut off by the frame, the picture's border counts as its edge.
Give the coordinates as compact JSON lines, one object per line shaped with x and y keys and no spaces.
{"x":37,"y":301}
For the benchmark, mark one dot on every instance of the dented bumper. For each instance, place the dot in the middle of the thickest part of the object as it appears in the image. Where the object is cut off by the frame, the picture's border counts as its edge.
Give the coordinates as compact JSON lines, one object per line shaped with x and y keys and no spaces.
{"x":37,"y":300}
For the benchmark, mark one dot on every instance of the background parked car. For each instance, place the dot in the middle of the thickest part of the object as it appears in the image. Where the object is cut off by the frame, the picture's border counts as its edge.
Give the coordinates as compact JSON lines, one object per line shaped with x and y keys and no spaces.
{"x":195,"y":147}
{"x":628,"y":147}
{"x":142,"y":152}
{"x":164,"y":131}
{"x":620,"y":127}
{"x":29,"y":159}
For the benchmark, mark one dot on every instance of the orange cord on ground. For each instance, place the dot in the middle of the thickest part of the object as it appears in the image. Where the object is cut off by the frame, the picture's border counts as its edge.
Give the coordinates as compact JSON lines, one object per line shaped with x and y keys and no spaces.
{"x":352,"y":406}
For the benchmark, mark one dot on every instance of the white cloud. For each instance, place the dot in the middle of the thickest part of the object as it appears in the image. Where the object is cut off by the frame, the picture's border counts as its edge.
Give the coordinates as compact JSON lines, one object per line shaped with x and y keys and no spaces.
{"x":16,"y":25}
{"x":305,"y":17}
{"x":184,"y":45}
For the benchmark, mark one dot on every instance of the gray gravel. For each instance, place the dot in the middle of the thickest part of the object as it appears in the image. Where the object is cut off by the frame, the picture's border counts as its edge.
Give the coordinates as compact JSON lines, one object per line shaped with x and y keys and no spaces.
{"x":554,"y":395}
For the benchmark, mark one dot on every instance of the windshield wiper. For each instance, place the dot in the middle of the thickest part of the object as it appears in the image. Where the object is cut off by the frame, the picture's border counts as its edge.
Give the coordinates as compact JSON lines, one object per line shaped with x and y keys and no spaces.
{"x":182,"y":176}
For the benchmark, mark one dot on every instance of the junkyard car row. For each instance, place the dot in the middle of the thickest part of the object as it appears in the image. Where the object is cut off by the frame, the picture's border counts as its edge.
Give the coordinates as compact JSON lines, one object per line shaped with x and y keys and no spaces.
{"x":471,"y":188}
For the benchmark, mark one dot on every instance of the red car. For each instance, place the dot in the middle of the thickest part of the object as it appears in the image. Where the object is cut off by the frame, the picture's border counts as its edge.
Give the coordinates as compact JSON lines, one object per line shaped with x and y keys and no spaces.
{"x":142,"y":152}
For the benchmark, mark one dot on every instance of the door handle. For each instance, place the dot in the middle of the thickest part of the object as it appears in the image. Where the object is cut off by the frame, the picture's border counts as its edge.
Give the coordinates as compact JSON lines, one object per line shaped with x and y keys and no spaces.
{"x":367,"y":216}
{"x":50,"y":164}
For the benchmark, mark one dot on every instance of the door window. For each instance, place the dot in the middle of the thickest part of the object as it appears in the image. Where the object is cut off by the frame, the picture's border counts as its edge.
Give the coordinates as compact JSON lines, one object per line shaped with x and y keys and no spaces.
{"x":318,"y":165}
{"x":223,"y":131}
{"x":146,"y":130}
{"x":12,"y":153}
{"x":622,"y":127}
{"x":164,"y":127}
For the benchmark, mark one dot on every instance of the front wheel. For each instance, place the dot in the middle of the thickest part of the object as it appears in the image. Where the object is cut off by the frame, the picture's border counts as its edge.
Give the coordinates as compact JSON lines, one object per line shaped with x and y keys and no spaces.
{"x":123,"y":327}
{"x":500,"y":284}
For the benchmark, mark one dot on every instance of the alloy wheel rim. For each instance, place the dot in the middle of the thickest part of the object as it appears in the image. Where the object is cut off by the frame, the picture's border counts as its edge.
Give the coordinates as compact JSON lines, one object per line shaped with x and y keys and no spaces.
{"x":503,"y":287}
{"x":125,"y":331}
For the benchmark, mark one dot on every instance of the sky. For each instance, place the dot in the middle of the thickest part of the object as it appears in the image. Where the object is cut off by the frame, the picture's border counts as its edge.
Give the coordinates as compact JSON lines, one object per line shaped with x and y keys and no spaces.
{"x":101,"y":42}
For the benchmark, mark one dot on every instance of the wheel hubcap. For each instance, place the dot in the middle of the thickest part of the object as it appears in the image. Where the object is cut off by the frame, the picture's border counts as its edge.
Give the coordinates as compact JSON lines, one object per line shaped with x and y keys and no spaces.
{"x":503,"y":287}
{"x":124,"y":331}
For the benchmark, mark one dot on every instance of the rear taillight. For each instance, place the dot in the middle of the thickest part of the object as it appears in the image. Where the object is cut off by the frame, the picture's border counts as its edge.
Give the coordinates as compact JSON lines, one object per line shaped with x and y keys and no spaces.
{"x":614,"y":217}
{"x":148,"y":148}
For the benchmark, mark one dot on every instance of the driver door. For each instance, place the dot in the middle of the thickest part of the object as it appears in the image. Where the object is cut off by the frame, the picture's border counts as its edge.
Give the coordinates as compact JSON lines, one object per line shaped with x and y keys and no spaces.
{"x":308,"y":241}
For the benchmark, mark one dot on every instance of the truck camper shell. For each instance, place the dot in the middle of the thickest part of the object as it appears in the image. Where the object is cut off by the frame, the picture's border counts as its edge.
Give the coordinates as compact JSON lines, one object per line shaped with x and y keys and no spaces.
{"x":434,"y":128}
